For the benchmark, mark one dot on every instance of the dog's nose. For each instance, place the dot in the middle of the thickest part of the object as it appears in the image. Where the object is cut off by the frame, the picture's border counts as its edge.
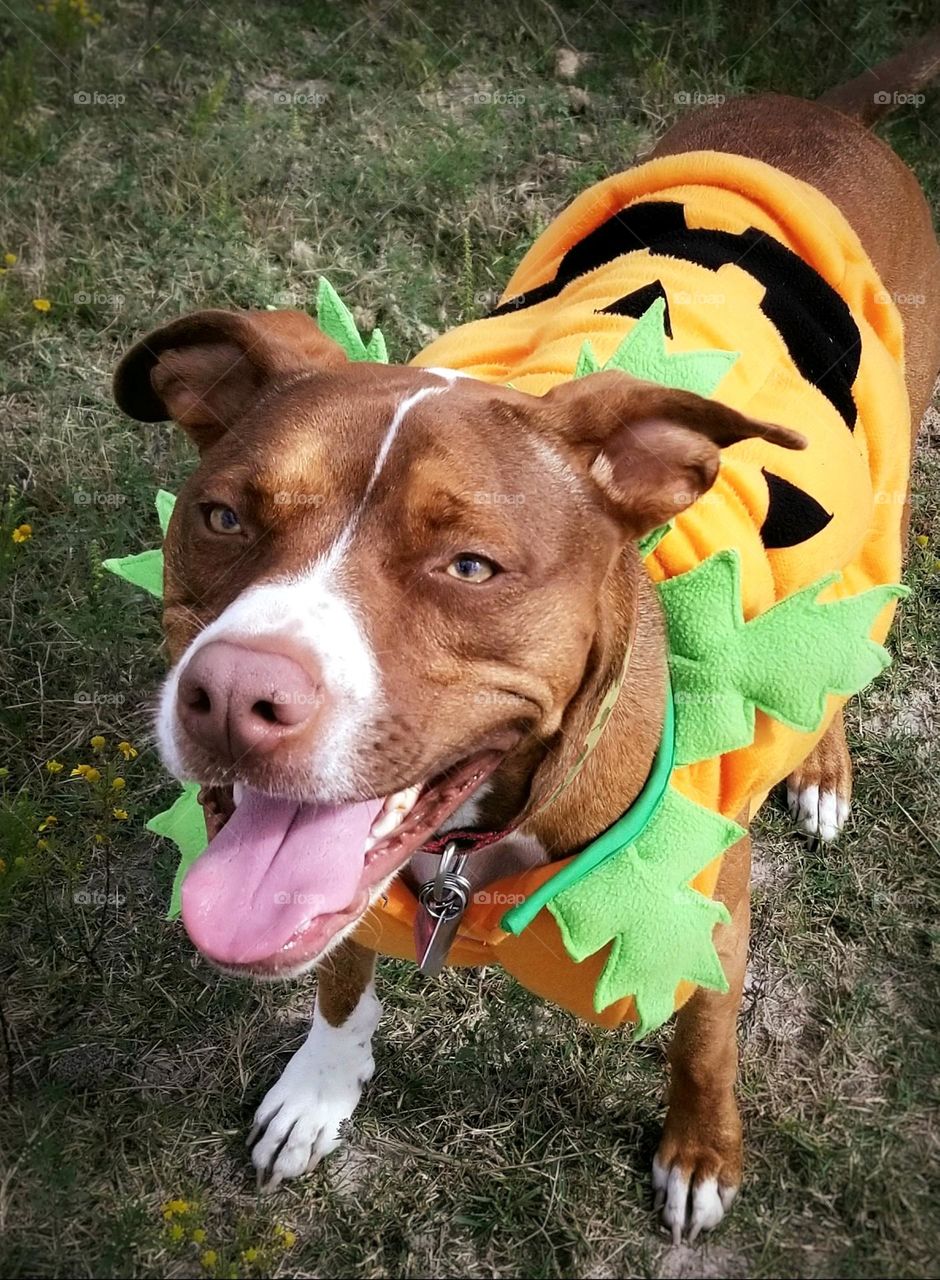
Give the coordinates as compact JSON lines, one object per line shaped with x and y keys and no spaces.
{"x":235,"y":700}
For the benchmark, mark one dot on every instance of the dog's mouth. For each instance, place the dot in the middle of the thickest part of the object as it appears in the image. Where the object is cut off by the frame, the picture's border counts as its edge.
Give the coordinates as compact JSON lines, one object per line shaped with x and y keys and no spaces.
{"x":282,"y":878}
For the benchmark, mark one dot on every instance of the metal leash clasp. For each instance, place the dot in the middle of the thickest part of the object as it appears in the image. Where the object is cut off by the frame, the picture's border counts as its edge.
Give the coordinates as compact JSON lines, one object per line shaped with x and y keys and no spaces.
{"x":441,"y":905}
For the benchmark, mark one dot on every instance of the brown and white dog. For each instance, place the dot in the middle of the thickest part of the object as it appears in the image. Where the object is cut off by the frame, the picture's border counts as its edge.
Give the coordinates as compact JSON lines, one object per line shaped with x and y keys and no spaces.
{"x":322,"y":547}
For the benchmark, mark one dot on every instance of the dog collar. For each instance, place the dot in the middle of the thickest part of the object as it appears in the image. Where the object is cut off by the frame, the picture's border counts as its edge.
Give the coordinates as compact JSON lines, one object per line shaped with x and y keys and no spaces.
{"x":620,"y":835}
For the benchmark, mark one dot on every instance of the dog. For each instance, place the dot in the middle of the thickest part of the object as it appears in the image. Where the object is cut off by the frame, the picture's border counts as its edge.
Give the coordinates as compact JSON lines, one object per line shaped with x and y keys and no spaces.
{"x":366,"y":660}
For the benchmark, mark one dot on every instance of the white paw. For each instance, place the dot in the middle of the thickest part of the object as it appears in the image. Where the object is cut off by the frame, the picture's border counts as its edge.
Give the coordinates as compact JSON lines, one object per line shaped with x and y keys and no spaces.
{"x":300,"y":1119}
{"x":818,"y":813}
{"x":696,"y":1210}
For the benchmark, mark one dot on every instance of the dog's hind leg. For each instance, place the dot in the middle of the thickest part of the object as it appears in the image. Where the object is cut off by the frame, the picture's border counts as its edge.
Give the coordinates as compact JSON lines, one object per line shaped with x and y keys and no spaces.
{"x":697,"y":1169}
{"x":819,"y":792}
{"x":301,"y":1117}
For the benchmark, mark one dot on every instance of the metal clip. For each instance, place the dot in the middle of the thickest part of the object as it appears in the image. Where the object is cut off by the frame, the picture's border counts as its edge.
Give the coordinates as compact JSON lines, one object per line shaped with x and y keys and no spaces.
{"x":441,"y":905}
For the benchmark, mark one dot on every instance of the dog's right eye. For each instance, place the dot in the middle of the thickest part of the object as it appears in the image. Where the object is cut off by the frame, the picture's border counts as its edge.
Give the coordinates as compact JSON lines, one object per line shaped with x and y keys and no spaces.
{"x":222,"y":519}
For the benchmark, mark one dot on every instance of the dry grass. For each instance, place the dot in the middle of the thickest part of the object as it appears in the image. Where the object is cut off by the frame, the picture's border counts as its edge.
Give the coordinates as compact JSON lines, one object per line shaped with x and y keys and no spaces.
{"x":499,"y":1138}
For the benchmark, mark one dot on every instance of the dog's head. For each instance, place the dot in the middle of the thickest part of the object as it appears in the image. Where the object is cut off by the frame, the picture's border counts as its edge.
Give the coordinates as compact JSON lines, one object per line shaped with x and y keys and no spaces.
{"x":382,"y":585}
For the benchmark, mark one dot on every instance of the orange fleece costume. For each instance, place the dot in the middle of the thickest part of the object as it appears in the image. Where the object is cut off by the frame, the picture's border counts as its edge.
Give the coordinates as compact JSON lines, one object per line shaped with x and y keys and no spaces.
{"x":735,"y":257}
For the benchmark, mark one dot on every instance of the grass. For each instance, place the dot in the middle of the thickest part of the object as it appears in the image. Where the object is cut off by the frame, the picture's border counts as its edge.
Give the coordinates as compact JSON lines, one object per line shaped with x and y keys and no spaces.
{"x":163,"y":156}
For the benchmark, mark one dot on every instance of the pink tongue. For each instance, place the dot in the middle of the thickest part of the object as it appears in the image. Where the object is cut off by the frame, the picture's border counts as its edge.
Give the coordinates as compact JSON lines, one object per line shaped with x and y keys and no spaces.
{"x":273,"y":867}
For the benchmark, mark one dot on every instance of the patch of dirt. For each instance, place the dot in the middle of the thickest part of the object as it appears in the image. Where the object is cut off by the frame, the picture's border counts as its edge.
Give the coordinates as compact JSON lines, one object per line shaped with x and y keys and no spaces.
{"x":918,"y":716}
{"x":777,"y":1008}
{"x":772,"y":862}
{"x":348,"y":1171}
{"x":569,"y":62}
{"x":702,"y":1262}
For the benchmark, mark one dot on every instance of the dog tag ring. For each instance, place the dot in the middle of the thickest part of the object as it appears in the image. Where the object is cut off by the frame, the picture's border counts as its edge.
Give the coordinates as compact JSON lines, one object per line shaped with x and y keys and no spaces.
{"x":441,"y":904}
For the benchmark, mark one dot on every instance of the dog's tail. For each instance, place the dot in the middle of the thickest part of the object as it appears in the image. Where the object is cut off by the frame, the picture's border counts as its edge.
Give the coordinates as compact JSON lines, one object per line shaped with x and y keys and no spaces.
{"x":892,"y":83}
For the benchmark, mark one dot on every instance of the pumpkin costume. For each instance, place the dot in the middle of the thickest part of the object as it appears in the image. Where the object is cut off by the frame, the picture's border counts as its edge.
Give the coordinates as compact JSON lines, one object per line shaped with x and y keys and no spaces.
{"x":724,"y":276}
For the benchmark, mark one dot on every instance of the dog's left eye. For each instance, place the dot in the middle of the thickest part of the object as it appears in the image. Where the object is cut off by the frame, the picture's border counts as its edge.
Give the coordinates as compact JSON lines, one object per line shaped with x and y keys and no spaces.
{"x":469,"y":568}
{"x":222,"y":520}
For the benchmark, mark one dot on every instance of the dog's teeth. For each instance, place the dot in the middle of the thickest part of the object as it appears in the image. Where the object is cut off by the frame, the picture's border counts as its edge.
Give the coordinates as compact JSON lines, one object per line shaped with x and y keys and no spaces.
{"x":394,"y":811}
{"x":402,"y":801}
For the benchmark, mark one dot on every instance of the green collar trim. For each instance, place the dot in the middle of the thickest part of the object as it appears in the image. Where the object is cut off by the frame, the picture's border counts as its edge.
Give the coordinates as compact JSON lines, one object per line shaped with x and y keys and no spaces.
{"x":617,"y":837}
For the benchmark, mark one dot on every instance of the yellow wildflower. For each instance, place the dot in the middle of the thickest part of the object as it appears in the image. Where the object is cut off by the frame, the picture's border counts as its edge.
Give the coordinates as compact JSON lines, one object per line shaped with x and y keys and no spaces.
{"x":100,"y":838}
{"x":97,"y":742}
{"x":10,"y":259}
{"x":174,"y":1207}
{"x":49,"y":821}
{"x":209,"y":1259}
{"x":118,"y":784}
{"x":22,"y":533}
{"x":42,"y":304}
{"x":86,"y":771}
{"x":286,"y":1237}
{"x":120,"y":814}
{"x":54,"y":766}
{"x":175,"y":1232}
{"x":42,"y":845}
{"x":127,"y":751}
{"x":198,"y":1236}
{"x":250,"y":1255}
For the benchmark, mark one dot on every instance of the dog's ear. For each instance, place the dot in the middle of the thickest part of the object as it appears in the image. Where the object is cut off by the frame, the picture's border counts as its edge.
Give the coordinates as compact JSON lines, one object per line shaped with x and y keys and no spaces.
{"x":652,"y":450}
{"x":205,"y":370}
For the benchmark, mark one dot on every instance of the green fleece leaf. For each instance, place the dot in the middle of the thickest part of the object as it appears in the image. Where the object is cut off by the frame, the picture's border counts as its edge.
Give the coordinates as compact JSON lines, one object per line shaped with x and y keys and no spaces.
{"x":641,"y":900}
{"x":336,"y":321}
{"x":376,"y":349}
{"x":643,"y":354}
{"x":587,"y":361}
{"x":786,"y":661}
{"x":144,"y":570}
{"x":185,"y":824}
{"x":650,"y":541}
{"x":165,"y":502}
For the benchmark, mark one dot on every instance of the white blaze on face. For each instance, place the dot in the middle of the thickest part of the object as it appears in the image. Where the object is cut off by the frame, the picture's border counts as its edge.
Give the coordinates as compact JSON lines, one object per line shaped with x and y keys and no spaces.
{"x":315,"y":609}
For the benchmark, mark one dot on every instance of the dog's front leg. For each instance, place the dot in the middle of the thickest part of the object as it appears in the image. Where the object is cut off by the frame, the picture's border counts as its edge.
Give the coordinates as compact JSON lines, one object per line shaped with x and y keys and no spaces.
{"x":697,"y":1169}
{"x":299,"y":1121}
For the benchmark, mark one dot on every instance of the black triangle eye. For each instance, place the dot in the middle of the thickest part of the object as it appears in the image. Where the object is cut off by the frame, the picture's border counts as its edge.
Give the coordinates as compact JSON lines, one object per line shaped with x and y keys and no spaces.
{"x":638,"y":302}
{"x":792,"y":515}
